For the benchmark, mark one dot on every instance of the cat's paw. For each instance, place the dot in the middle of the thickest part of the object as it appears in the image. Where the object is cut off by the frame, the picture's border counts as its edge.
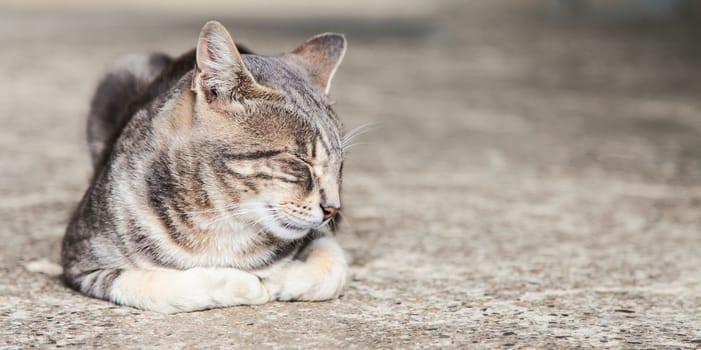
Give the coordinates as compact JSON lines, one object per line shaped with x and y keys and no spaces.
{"x":233,"y":287}
{"x":172,"y":291}
{"x":320,"y":276}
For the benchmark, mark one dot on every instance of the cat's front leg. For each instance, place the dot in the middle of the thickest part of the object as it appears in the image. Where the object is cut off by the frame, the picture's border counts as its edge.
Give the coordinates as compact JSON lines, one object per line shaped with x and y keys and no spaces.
{"x":318,"y":273}
{"x":171,"y":291}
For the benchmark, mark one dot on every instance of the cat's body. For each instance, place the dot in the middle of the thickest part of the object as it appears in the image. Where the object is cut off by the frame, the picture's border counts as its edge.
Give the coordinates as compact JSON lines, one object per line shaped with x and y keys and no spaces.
{"x":212,"y":185}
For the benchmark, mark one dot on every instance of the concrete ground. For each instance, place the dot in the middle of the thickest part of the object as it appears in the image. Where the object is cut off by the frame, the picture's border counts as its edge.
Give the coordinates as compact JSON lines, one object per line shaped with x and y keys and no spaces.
{"x":532,"y":182}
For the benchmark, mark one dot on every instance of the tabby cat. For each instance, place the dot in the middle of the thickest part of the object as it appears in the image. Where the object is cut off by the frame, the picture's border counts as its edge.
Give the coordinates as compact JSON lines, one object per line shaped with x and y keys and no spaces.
{"x":216,"y":175}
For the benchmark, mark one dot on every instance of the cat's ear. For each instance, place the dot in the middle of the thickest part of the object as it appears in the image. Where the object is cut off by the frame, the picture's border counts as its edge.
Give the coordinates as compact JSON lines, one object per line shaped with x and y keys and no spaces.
{"x":220,"y":71}
{"x":321,"y":55}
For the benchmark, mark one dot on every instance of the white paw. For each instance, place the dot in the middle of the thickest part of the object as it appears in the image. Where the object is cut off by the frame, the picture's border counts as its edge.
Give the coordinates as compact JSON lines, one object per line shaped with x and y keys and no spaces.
{"x":293,"y":282}
{"x":170,"y":291}
{"x":229,"y":287}
{"x":320,"y":276}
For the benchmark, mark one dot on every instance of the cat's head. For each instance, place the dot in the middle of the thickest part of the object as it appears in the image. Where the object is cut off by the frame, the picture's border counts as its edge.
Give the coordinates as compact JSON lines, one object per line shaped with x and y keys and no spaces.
{"x":267,"y":133}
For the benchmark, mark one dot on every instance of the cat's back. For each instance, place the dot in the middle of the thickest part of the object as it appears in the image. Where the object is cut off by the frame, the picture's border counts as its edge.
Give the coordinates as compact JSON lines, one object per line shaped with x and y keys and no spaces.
{"x":133,"y":82}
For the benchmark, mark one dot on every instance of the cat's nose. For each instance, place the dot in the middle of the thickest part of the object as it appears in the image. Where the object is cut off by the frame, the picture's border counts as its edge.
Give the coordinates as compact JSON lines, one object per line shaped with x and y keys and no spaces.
{"x":329,"y":212}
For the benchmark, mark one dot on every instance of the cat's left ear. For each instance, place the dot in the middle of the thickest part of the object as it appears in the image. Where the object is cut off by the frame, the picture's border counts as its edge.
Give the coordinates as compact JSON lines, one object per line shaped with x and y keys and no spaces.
{"x":321,"y":55}
{"x":220,"y":71}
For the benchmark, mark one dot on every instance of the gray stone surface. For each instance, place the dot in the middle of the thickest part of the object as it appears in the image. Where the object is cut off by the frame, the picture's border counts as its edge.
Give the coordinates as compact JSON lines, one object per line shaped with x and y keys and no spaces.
{"x":531,"y":183}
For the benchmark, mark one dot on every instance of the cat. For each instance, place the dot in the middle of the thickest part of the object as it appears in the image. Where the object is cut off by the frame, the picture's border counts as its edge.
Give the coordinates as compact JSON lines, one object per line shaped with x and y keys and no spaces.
{"x":216,"y":175}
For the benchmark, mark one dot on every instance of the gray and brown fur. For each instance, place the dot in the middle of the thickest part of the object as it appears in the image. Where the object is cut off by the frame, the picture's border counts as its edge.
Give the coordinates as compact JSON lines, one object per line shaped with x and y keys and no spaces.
{"x":213,"y":176}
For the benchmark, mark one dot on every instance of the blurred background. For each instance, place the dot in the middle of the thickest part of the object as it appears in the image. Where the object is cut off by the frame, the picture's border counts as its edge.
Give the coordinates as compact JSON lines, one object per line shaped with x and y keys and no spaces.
{"x":534,"y":166}
{"x":494,"y":82}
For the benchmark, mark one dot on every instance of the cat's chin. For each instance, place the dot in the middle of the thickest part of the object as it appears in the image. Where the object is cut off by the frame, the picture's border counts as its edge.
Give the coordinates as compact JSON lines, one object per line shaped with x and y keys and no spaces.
{"x":289,"y":234}
{"x":287,"y":231}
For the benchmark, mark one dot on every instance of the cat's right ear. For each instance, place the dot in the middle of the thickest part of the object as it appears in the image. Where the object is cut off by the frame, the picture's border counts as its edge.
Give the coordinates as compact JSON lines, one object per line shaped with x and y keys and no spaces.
{"x":321,"y":55}
{"x":220,"y":73}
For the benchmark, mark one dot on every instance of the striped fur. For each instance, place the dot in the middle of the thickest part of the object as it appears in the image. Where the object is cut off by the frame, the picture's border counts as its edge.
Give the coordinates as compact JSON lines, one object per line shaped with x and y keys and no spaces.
{"x":210,"y":181}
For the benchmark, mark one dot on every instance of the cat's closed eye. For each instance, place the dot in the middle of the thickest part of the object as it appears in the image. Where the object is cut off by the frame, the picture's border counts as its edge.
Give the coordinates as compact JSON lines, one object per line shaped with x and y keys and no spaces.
{"x":303,"y":159}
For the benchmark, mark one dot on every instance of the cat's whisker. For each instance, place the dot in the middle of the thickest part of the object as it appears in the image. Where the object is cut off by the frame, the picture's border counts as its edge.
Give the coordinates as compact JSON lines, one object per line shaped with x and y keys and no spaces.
{"x":347,"y":147}
{"x":356,"y":132}
{"x":261,"y":220}
{"x":276,"y":217}
{"x":209,"y":212}
{"x":270,"y":217}
{"x":361,"y":129}
{"x":226,"y":216}
{"x":214,"y":209}
{"x":233,"y":214}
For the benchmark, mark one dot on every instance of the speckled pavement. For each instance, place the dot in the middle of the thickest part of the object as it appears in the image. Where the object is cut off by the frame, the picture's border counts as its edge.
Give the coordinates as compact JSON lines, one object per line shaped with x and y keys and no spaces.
{"x":530,"y":183}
